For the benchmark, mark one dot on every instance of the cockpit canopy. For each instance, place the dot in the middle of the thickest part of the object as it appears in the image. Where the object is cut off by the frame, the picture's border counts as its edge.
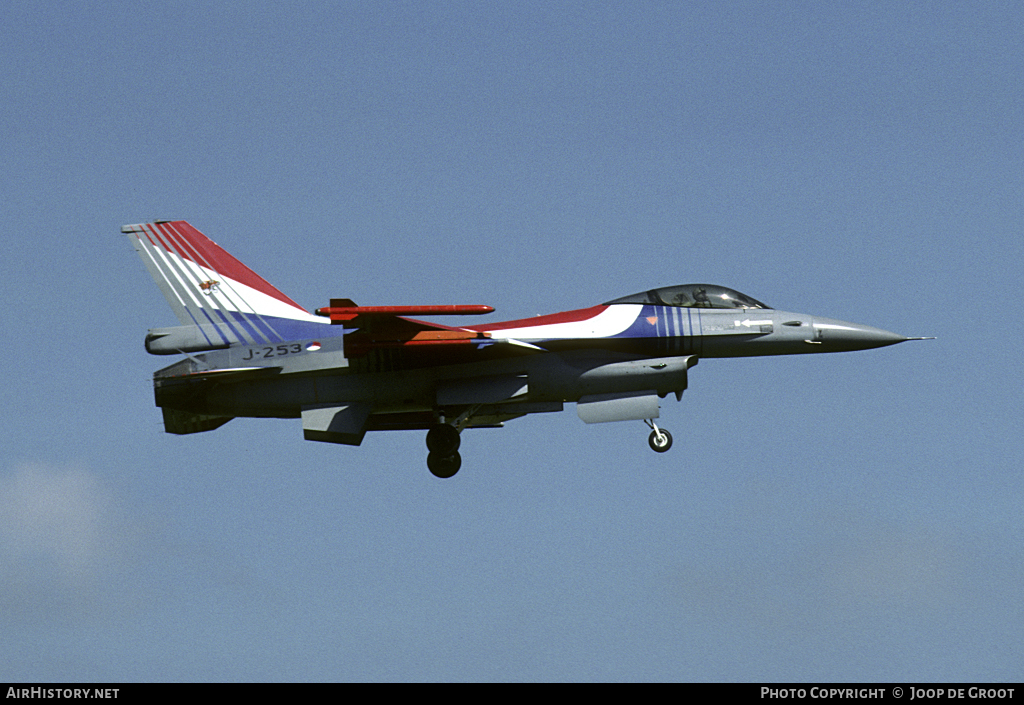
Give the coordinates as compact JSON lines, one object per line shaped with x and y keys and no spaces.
{"x":692,"y":296}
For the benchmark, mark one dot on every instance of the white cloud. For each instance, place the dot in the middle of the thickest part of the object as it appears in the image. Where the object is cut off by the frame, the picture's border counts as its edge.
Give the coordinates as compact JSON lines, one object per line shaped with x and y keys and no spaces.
{"x":914,"y":568}
{"x":62,"y":540}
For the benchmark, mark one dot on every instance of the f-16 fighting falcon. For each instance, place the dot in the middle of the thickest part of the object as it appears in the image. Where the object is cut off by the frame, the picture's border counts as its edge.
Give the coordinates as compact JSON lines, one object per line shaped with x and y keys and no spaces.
{"x":250,"y":351}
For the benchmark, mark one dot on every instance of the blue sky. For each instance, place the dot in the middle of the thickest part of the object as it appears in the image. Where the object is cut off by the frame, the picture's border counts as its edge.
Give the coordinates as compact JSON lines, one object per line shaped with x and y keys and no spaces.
{"x":837,"y":517}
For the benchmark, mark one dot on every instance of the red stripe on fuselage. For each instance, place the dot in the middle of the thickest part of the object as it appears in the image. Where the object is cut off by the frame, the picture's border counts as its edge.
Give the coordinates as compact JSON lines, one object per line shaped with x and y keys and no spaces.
{"x":197,"y":248}
{"x":583,"y":314}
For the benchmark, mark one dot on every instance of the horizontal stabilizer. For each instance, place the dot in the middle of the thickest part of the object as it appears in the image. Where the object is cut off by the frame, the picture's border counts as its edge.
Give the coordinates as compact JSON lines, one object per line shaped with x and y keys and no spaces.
{"x":226,"y":373}
{"x":185,"y":339}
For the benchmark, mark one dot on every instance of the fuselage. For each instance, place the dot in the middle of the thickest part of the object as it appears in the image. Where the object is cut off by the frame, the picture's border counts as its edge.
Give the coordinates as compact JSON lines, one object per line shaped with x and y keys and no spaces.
{"x":346,"y":369}
{"x":563,"y":357}
{"x":648,"y":329}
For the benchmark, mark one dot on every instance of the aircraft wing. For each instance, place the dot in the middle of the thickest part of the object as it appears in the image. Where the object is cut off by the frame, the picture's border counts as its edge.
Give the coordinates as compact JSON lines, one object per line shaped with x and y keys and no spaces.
{"x":380,"y":328}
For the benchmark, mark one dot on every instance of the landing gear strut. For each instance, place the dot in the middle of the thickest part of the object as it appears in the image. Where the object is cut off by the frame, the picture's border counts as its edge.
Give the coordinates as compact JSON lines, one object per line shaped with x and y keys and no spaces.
{"x":660,"y":440}
{"x":443,"y":442}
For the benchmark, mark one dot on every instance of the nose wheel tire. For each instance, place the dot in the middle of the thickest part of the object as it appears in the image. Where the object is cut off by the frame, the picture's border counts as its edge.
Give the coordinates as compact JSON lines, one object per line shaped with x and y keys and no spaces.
{"x":444,"y":466}
{"x":660,"y":440}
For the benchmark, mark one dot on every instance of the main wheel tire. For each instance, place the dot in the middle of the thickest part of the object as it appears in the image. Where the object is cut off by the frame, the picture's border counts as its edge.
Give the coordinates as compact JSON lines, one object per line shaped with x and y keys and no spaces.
{"x":660,"y":442}
{"x":444,"y":466}
{"x":443,"y":439}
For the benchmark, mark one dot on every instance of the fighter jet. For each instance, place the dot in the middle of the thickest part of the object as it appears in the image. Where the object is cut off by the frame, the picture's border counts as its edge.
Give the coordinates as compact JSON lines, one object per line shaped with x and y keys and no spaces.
{"x":344,"y":369}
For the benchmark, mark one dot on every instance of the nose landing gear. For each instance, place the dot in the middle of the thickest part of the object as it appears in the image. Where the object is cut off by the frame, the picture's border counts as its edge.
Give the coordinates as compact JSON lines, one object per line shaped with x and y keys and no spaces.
{"x":660,"y":440}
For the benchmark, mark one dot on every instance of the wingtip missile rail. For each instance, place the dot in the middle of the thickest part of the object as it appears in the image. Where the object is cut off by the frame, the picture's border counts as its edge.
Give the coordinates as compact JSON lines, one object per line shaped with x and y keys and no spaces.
{"x":342,"y":310}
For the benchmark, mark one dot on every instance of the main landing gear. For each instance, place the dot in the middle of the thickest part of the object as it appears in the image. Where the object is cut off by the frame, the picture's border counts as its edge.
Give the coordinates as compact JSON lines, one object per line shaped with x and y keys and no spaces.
{"x":443,"y":442}
{"x":660,"y":440}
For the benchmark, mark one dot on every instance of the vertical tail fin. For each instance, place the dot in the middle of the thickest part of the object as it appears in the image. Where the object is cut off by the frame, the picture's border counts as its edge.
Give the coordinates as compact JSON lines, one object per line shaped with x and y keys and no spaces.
{"x":208,"y":288}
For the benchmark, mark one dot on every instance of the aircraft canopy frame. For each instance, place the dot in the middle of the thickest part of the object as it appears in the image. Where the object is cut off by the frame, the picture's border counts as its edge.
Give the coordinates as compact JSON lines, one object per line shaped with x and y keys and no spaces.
{"x":692,"y":296}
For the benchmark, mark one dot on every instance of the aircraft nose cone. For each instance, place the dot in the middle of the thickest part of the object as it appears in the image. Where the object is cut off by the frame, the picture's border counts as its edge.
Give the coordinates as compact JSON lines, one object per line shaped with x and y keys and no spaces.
{"x":840,"y":335}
